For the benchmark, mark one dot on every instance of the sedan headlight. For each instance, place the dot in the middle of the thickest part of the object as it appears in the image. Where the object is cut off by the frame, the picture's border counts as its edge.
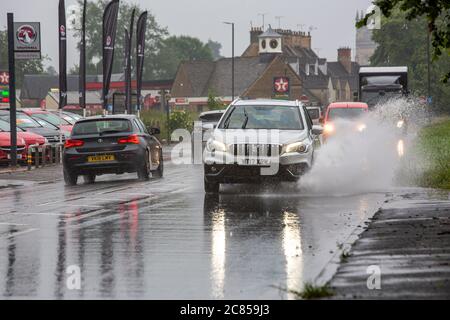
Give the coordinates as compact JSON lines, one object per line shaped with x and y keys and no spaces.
{"x":300,"y":147}
{"x":214,"y":145}
{"x":361,"y":127}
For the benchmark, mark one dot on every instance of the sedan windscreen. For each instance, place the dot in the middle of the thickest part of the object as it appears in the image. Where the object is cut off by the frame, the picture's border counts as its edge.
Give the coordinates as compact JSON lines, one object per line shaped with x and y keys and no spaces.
{"x":314,"y":113}
{"x":23,"y":121}
{"x":263,"y":117}
{"x":345,"y":113}
{"x":102,"y":126}
{"x":53,"y":119}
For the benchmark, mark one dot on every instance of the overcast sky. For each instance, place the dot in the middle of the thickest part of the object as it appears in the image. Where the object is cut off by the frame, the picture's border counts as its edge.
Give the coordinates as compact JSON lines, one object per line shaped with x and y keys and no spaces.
{"x":332,"y":20}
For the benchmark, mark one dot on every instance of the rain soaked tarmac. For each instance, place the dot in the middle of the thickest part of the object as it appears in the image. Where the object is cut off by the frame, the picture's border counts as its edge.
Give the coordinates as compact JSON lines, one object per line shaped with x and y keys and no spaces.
{"x":166,"y":239}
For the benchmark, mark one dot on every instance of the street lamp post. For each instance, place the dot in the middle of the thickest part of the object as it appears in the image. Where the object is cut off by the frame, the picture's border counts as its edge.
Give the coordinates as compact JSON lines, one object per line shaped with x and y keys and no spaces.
{"x":232,"y":59}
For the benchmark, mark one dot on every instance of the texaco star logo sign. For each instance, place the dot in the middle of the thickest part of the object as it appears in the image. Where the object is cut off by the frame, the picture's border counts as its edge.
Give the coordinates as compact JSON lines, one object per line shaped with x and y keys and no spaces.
{"x":4,"y":77}
{"x":281,"y":84}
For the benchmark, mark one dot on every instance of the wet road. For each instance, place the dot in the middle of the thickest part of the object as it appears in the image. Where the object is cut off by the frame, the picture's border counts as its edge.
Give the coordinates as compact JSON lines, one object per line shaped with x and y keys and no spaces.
{"x":165,"y":239}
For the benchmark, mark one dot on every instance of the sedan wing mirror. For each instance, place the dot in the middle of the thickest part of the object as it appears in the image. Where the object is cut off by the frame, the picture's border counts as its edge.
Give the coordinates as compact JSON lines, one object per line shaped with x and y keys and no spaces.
{"x":154,"y":131}
{"x":317,"y":130}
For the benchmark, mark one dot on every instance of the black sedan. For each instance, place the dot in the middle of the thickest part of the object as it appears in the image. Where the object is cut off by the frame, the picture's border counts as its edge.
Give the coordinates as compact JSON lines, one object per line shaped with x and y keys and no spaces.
{"x":111,"y":145}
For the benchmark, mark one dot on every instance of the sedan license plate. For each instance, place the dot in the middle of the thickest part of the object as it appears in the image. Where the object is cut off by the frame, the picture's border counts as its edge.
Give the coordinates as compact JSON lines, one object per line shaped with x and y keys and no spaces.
{"x":254,"y":162}
{"x":101,"y":158}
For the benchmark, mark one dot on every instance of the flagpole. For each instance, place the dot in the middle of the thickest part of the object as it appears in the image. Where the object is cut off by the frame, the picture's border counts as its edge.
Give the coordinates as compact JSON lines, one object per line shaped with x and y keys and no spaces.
{"x":62,"y":62}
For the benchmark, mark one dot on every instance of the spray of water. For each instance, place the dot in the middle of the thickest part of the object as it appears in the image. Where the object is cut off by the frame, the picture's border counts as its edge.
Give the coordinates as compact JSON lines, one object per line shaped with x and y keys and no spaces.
{"x":365,"y":154}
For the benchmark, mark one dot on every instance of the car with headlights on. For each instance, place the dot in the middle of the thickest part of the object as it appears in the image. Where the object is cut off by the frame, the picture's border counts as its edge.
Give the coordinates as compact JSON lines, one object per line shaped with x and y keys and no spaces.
{"x":260,"y":140}
{"x":113,"y":144}
{"x":342,"y":116}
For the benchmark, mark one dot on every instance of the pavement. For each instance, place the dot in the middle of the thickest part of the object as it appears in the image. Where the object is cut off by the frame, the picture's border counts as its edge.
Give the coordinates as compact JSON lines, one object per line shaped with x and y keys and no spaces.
{"x":166,"y":239}
{"x":408,"y":241}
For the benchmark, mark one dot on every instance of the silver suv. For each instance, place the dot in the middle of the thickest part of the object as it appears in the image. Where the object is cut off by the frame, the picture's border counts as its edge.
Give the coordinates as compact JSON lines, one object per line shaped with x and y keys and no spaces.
{"x":259,"y":140}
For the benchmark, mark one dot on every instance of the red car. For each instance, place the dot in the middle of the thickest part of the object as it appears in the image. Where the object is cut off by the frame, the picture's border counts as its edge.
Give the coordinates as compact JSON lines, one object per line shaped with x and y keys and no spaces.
{"x":5,"y":148}
{"x":49,"y":117}
{"x":24,"y":140}
{"x":351,"y":112}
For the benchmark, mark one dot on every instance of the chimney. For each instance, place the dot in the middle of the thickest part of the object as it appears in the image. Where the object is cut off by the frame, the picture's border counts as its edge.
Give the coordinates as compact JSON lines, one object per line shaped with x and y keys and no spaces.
{"x":345,"y":58}
{"x":255,"y":32}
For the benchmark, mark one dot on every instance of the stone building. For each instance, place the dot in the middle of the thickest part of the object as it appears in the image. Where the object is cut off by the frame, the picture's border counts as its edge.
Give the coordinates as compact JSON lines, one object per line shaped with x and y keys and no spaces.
{"x":272,"y":58}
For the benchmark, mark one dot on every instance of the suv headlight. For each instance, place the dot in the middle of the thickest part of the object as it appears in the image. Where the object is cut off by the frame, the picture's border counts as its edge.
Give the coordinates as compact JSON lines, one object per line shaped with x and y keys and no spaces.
{"x":300,"y":147}
{"x":400,"y":124}
{"x":214,"y":145}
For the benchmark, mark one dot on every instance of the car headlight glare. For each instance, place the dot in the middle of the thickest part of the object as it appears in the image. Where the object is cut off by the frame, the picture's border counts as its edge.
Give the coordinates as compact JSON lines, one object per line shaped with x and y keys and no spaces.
{"x":361,"y":127}
{"x":328,"y":128}
{"x":214,"y":145}
{"x":400,"y":124}
{"x":299,"y":147}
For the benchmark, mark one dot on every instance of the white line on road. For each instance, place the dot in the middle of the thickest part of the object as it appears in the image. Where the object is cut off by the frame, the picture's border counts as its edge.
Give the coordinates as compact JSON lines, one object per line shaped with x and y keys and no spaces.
{"x":21,"y":233}
{"x":13,"y":224}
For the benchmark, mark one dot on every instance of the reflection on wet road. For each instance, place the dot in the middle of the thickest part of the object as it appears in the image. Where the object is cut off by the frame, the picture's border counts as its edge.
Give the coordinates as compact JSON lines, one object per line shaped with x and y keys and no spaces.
{"x":166,"y":239}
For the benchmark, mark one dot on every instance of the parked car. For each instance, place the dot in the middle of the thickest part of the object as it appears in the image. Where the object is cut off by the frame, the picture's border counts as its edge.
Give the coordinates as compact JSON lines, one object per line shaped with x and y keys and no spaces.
{"x":28,"y":137}
{"x":68,"y":116}
{"x":49,"y":117}
{"x":254,"y":135}
{"x":27,"y":123}
{"x":344,"y":114}
{"x":112,"y":145}
{"x":5,"y":149}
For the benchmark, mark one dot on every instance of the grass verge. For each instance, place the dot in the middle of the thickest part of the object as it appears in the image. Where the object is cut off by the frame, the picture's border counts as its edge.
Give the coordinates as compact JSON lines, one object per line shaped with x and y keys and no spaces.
{"x":433,"y":145}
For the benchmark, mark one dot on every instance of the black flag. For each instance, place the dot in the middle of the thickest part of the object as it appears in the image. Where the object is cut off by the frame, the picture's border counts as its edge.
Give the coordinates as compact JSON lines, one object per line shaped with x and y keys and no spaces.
{"x":140,"y":46}
{"x":109,"y":38}
{"x":62,"y":55}
{"x":82,"y":73}
{"x":128,"y":40}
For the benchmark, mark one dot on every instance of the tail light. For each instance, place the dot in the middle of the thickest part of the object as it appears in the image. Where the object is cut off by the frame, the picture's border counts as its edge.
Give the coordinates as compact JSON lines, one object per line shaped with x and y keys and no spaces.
{"x":73,"y":143}
{"x":133,"y":139}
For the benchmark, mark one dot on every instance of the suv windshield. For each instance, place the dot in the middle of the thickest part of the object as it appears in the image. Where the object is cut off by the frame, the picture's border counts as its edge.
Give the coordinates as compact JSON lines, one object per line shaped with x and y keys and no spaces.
{"x":263,"y":117}
{"x":345,"y":113}
{"x":210,"y":117}
{"x":102,"y":126}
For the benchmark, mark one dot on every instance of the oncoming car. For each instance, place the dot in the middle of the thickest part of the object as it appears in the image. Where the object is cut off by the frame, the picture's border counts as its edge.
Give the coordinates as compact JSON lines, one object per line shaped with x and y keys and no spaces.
{"x":259,"y":140}
{"x":111,"y":145}
{"x":344,"y":114}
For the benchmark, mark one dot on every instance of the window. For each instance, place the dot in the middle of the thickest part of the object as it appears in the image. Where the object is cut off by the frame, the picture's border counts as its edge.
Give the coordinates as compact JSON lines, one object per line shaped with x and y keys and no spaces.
{"x":102,"y":126}
{"x":345,"y":113}
{"x":263,"y":44}
{"x":274,"y":44}
{"x":263,"y":117}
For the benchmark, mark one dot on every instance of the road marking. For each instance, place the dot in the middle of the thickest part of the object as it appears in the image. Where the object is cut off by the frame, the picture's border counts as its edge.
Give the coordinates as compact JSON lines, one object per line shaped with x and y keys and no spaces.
{"x":39,"y":213}
{"x":58,"y":201}
{"x":13,"y":224}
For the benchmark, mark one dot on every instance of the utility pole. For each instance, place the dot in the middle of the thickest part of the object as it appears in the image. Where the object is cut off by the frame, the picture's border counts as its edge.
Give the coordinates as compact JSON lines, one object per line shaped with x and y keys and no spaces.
{"x":232,"y":59}
{"x":12,"y":91}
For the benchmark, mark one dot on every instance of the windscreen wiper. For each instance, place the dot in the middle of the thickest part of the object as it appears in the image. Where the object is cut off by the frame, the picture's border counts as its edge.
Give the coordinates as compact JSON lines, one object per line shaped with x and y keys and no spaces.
{"x":228,"y":118}
{"x":246,"y":119}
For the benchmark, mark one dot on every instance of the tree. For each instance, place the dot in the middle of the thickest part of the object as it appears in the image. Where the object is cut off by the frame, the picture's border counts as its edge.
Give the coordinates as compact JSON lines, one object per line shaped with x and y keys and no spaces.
{"x":22,"y":66}
{"x":214,"y":103}
{"x":437,"y":20}
{"x":177,"y":49}
{"x":404,"y":42}
{"x":215,"y":48}
{"x":94,"y":16}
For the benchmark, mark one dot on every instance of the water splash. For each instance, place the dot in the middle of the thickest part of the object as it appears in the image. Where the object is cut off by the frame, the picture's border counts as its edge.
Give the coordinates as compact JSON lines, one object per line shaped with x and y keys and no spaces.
{"x":355,"y":161}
